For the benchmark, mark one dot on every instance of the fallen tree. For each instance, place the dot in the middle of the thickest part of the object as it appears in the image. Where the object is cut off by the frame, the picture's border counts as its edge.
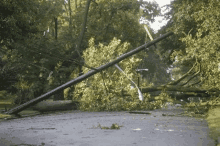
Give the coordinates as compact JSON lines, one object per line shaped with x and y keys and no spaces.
{"x":45,"y":106}
{"x":182,"y":92}
{"x":174,"y":88}
{"x":85,"y":76}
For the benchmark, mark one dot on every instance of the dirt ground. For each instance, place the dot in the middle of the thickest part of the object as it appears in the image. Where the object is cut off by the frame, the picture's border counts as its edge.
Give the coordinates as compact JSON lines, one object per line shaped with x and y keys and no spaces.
{"x":167,"y":127}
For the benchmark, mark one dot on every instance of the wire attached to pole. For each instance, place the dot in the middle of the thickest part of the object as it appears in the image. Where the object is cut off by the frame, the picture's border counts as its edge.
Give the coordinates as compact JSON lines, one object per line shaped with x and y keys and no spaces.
{"x":139,"y":91}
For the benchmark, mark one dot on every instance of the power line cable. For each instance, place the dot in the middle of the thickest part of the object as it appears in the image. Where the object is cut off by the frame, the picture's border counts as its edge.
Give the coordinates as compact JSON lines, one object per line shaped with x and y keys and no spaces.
{"x":55,"y":57}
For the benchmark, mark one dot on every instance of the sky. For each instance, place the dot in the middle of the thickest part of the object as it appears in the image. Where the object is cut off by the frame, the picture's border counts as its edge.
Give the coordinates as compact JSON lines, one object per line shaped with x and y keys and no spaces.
{"x":159,"y":22}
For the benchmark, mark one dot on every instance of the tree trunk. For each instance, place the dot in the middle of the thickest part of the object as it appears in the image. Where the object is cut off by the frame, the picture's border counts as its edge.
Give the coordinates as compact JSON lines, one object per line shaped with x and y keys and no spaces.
{"x":59,"y":96}
{"x":78,"y":45}
{"x":75,"y":4}
{"x":70,"y":12}
{"x":56,"y":25}
{"x":172,"y":88}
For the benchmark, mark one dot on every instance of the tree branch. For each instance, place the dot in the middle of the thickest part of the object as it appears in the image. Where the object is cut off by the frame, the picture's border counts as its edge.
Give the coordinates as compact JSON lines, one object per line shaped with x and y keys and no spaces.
{"x":83,"y":28}
{"x":194,"y":83}
{"x":183,"y":77}
{"x":194,"y":75}
{"x":75,"y":4}
{"x":70,"y":13}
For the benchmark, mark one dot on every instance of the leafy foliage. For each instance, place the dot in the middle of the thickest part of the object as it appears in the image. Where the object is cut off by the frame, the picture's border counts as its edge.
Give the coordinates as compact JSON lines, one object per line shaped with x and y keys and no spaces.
{"x":195,"y":24}
{"x":103,"y":91}
{"x":26,"y":49}
{"x":196,"y":40}
{"x":150,"y":10}
{"x":213,"y":119}
{"x":202,"y":43}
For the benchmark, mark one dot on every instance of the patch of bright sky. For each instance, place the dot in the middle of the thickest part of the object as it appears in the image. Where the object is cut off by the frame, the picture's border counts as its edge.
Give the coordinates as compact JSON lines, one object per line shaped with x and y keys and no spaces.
{"x":159,"y":22}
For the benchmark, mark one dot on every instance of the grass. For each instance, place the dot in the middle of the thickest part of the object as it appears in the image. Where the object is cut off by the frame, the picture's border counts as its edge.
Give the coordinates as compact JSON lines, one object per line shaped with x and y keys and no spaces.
{"x":3,"y":116}
{"x":213,"y":120}
{"x":24,"y":113}
{"x":211,"y":112}
{"x":4,"y":104}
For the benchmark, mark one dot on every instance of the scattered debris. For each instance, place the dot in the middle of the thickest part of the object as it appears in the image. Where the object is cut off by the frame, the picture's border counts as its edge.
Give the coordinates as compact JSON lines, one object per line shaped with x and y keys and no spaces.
{"x":113,"y":126}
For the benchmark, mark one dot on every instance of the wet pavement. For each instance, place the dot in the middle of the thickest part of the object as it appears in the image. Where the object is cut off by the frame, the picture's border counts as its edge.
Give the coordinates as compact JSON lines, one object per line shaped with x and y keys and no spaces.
{"x":75,"y":128}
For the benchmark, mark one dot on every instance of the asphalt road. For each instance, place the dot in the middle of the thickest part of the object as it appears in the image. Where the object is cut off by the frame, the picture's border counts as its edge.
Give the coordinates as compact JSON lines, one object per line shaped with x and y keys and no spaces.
{"x":76,"y":128}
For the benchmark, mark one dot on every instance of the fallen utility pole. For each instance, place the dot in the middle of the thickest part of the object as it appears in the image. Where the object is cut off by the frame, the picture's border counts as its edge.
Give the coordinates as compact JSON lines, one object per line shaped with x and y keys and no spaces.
{"x":85,"y":76}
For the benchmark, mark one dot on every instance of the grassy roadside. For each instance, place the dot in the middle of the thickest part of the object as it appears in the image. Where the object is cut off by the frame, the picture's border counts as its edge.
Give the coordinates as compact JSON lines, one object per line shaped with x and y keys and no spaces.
{"x":211,"y":113}
{"x":213,"y":120}
{"x":44,"y":106}
{"x":5,"y":105}
{"x":28,"y":112}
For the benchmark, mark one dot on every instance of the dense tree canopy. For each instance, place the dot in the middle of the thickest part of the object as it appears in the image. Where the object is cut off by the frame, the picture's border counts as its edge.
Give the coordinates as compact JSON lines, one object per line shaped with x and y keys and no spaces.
{"x":195,"y":42}
{"x":42,"y":37}
{"x":24,"y":44}
{"x":197,"y":23}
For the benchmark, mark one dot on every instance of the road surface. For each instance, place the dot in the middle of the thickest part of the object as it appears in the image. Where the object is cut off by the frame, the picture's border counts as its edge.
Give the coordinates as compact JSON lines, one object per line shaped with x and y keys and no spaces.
{"x":76,"y":128}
